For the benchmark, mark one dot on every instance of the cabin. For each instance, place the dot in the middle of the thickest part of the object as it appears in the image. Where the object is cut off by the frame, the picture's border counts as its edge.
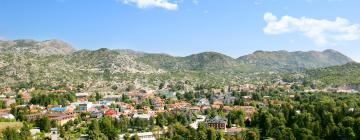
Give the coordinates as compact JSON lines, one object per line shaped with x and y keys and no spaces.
{"x":217,"y":122}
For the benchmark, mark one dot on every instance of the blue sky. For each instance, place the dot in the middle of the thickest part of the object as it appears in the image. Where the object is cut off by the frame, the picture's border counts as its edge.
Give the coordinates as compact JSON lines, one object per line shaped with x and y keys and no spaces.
{"x":183,"y":27}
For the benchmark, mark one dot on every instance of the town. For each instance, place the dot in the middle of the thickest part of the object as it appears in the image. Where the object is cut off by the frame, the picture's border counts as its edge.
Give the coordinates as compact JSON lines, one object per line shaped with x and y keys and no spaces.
{"x":69,"y":113}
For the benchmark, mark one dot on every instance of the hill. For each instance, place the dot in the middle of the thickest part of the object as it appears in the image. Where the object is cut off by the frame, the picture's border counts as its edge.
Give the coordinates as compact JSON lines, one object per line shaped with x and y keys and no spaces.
{"x":343,"y":75}
{"x":54,"y":61}
{"x":294,"y":61}
{"x":47,"y":47}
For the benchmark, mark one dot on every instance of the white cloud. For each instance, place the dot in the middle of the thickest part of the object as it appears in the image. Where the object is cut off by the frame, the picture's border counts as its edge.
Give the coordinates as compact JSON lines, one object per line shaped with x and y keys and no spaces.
{"x":152,"y":3}
{"x":321,"y":31}
{"x":2,"y":38}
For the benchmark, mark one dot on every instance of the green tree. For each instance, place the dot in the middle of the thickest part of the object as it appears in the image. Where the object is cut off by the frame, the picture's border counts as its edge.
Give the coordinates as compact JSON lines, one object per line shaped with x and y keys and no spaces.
{"x":108,"y":128}
{"x":211,"y":134}
{"x":10,"y":134}
{"x":135,"y":137}
{"x":127,"y":136}
{"x":44,"y":124}
{"x":94,"y":131}
{"x":252,"y":134}
{"x":25,"y":131}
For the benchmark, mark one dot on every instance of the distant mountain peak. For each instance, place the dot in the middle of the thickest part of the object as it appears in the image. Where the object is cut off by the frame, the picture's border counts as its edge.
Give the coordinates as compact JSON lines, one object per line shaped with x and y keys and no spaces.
{"x":47,"y":47}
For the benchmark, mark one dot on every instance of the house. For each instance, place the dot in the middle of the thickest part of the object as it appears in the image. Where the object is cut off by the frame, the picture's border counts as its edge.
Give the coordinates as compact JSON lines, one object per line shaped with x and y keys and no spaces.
{"x":249,"y":110}
{"x":35,"y":108}
{"x":25,"y":96}
{"x":7,"y":116}
{"x":54,"y":133}
{"x":82,"y":95}
{"x":179,"y":106}
{"x":203,"y":102}
{"x":105,"y":102}
{"x":142,"y":116}
{"x":217,"y":122}
{"x":111,"y":113}
{"x":85,"y":106}
{"x":158,"y":103}
{"x":195,"y":109}
{"x":234,"y":130}
{"x":96,"y":114}
{"x":143,"y":135}
{"x":125,"y":108}
{"x":34,"y":131}
{"x":247,"y":98}
{"x":9,"y":101}
{"x":34,"y":116}
{"x":58,"y":109}
{"x":217,"y":104}
{"x":82,"y":106}
{"x":62,"y":118}
{"x":229,"y":99}
{"x":112,"y":98}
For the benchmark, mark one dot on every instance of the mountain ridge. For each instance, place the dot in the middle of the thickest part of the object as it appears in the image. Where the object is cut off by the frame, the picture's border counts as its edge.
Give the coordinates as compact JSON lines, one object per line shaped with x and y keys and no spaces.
{"x":44,"y":61}
{"x":46,"y":47}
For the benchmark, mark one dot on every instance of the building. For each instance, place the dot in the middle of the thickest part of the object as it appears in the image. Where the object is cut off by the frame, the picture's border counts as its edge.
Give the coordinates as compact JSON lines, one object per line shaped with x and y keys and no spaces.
{"x":82,"y":95}
{"x":7,"y":116}
{"x":142,"y":116}
{"x":203,"y":102}
{"x":158,"y":103}
{"x":144,"y":135}
{"x":96,"y":114}
{"x":82,"y":106}
{"x":9,"y":101}
{"x":54,"y":134}
{"x":62,"y":118}
{"x":111,"y":113}
{"x":217,"y":122}
{"x":34,"y":116}
{"x":229,"y":99}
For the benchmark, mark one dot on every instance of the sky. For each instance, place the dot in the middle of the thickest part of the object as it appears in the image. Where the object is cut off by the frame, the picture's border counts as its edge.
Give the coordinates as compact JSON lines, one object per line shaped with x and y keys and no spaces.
{"x":184,"y":27}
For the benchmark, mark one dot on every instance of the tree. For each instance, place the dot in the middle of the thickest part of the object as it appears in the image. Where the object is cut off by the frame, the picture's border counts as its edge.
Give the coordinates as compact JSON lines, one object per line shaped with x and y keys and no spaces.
{"x":127,"y":136}
{"x":44,"y":124}
{"x":10,"y":134}
{"x":2,"y":104}
{"x":107,"y":127}
{"x":252,"y":134}
{"x":236,"y":117}
{"x":94,"y":131}
{"x":202,"y":133}
{"x":219,"y":135}
{"x":135,"y":137}
{"x":211,"y":134}
{"x":62,"y":132}
{"x":19,"y":112}
{"x":97,"y":96}
{"x":25,"y":131}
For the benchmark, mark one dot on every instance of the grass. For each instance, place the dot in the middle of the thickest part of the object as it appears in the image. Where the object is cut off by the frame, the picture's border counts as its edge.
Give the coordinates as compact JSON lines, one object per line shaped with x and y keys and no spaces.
{"x":4,"y":125}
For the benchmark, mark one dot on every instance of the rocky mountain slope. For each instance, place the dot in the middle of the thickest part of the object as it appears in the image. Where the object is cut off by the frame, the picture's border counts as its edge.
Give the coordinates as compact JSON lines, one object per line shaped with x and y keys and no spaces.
{"x":57,"y":61}
{"x":47,"y":47}
{"x":293,"y":61}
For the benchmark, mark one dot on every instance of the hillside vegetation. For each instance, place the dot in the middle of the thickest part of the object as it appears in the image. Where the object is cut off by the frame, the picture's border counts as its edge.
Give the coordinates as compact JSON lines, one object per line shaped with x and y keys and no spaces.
{"x":55,"y":61}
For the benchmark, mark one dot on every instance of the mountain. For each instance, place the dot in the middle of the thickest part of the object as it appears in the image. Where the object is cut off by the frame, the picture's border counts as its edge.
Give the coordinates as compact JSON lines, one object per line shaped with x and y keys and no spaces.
{"x":47,"y":47}
{"x":206,"y":61}
{"x":294,"y":61}
{"x":348,"y":74}
{"x":54,"y":61}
